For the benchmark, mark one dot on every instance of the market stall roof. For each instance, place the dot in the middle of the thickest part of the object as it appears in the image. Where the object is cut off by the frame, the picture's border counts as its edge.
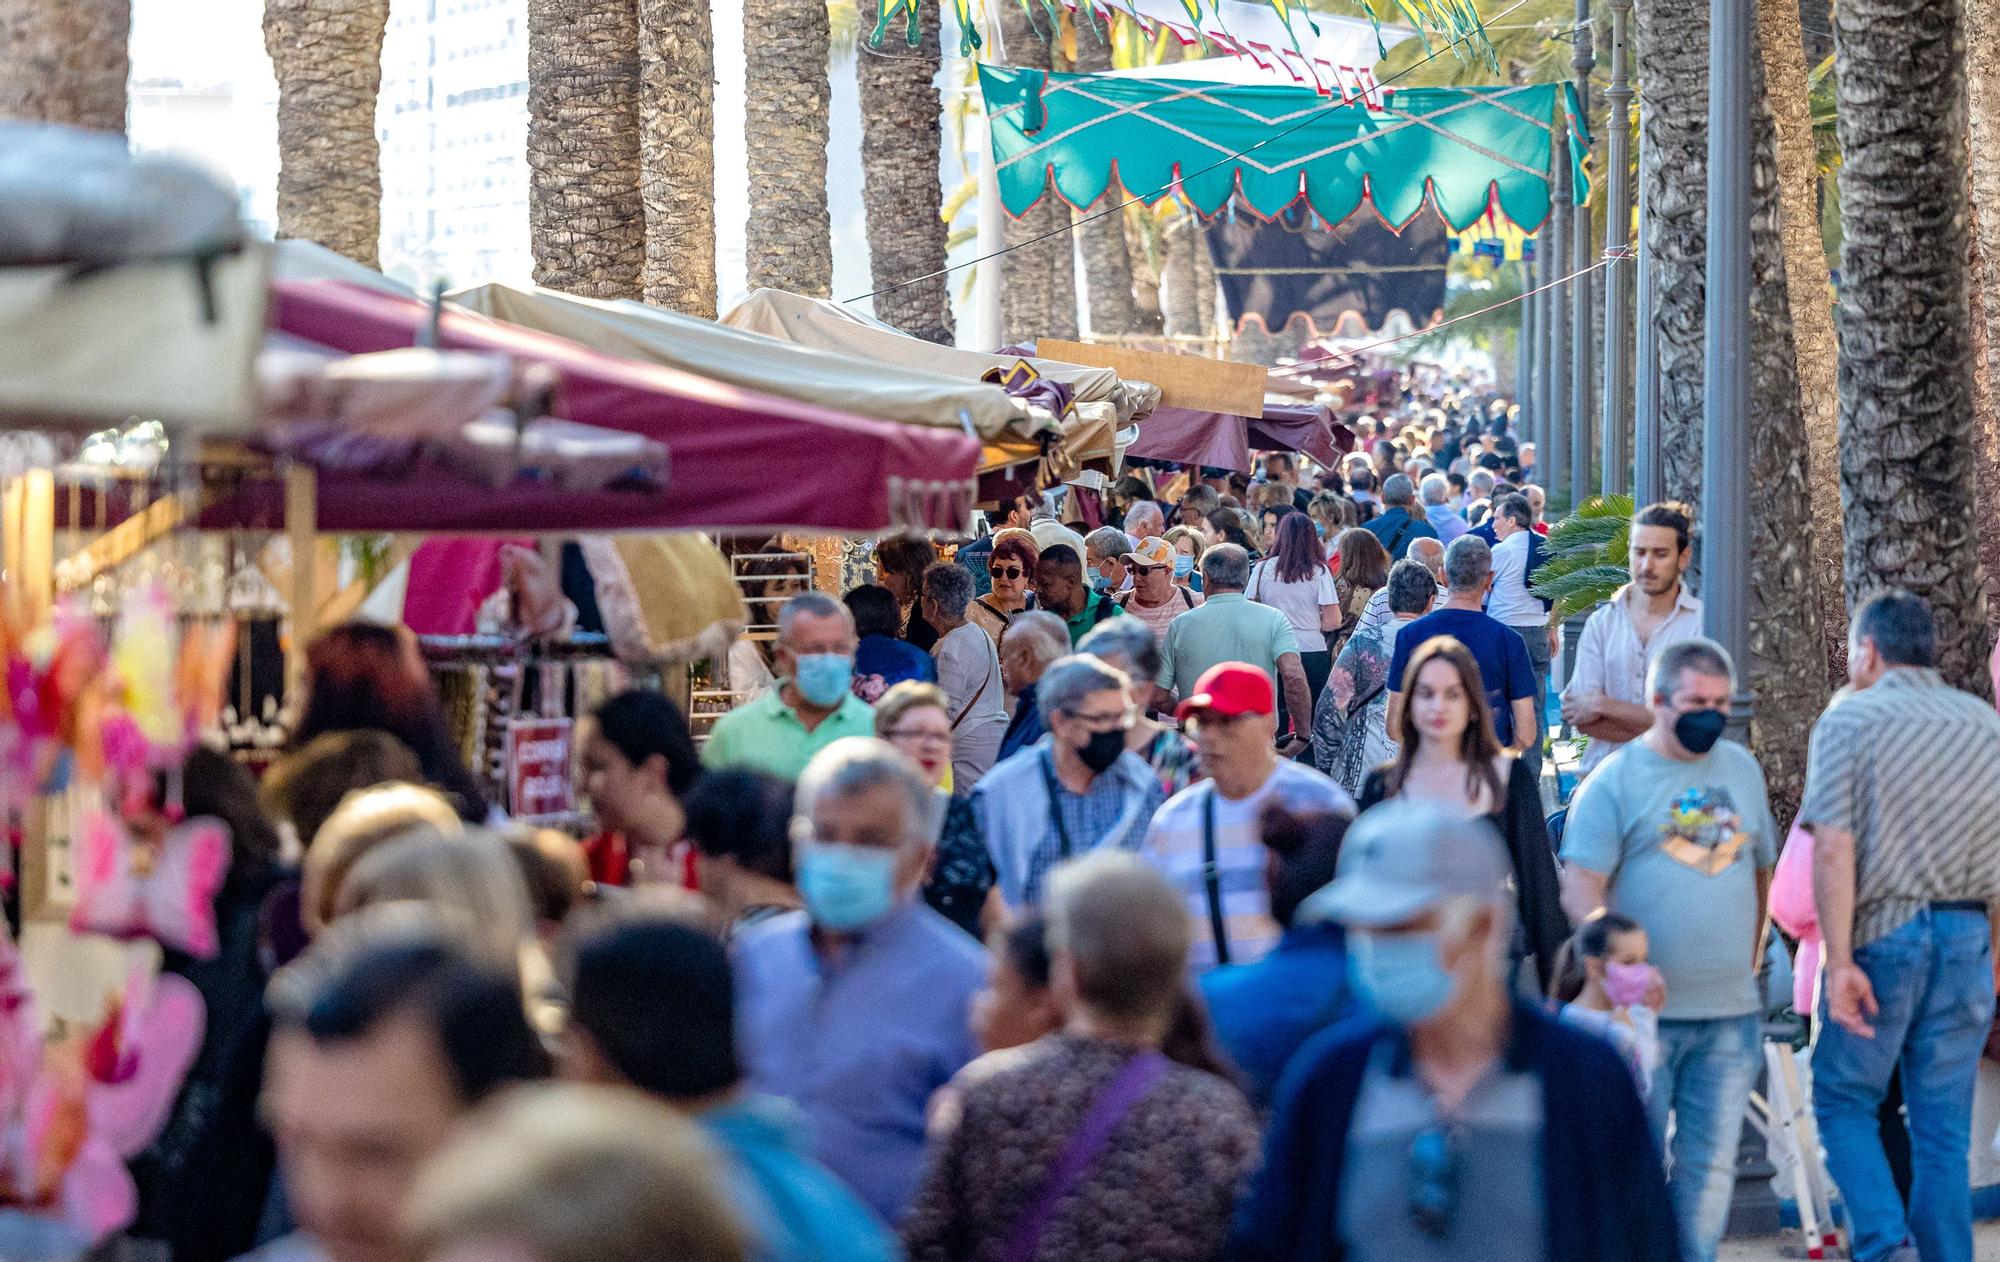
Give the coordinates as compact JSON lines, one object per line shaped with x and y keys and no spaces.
{"x":1461,"y":150}
{"x":741,"y":460}
{"x":889,"y":392}
{"x":1222,"y":441}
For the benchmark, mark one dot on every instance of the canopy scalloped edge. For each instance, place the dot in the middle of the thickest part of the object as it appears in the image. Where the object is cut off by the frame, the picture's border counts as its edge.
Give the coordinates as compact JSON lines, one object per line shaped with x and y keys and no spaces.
{"x":1461,"y":151}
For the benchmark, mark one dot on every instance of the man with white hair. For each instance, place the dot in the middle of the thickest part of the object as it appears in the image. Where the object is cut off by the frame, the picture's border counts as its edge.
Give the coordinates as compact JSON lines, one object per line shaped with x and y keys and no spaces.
{"x":1459,"y":1122}
{"x":1104,"y":567}
{"x":855,"y":1008}
{"x":1479,"y":486}
{"x":812,"y":706}
{"x":1504,"y":666}
{"x":1145,"y":518}
{"x":1438,"y":510}
{"x":1401,"y":522}
{"x":1030,"y":645}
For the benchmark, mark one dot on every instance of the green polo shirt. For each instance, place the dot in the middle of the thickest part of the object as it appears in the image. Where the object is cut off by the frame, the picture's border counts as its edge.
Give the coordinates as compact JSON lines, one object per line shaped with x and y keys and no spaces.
{"x":1227,"y":627}
{"x":765,"y":735}
{"x":1099,"y":608}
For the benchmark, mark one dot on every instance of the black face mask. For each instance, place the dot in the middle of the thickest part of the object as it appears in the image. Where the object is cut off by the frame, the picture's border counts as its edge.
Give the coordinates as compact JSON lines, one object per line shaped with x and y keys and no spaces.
{"x":1698,"y":730}
{"x":1102,"y":749}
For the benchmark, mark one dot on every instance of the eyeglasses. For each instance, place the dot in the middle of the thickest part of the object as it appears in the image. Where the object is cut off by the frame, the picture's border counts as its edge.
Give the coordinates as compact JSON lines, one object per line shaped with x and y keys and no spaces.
{"x":1101,"y":722}
{"x":1433,"y":1181}
{"x":1010,"y":572}
{"x":917,"y":735}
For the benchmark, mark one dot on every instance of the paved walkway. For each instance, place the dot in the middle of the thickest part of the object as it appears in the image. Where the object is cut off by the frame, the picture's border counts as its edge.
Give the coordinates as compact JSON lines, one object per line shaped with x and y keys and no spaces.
{"x":1986,"y":1247}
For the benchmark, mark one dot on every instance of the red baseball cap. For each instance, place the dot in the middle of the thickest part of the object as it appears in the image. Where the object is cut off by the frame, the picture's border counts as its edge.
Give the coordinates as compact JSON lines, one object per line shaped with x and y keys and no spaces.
{"x":1230,"y":689}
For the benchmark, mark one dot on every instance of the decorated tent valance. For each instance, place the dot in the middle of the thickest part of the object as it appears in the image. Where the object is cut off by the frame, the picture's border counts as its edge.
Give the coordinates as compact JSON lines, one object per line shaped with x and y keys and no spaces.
{"x":1465,"y":150}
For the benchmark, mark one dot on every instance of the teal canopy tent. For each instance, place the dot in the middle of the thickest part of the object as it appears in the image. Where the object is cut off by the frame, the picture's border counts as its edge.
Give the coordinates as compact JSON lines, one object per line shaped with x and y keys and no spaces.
{"x":1465,"y":150}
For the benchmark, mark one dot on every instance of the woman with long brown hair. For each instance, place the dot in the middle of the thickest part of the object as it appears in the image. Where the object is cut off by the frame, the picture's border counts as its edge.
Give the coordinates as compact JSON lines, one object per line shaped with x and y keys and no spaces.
{"x":1361,"y":569}
{"x":1451,"y":757}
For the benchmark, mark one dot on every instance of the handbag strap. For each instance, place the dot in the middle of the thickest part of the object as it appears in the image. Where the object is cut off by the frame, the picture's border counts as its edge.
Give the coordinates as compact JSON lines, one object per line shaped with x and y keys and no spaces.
{"x":1211,"y":877}
{"x":993,"y":669}
{"x":1118,"y":1097}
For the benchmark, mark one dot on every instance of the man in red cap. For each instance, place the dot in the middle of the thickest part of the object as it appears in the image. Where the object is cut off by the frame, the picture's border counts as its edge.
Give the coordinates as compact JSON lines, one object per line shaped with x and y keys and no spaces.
{"x":1208,"y":839}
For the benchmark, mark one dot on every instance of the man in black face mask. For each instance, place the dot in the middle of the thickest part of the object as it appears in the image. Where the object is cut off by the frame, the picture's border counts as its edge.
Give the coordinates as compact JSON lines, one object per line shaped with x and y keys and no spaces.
{"x":1681,"y":818}
{"x":1074,"y":791}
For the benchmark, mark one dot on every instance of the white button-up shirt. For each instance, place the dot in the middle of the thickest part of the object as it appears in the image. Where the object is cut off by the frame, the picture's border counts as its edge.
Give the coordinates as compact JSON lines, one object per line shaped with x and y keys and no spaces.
{"x":1611,"y":658}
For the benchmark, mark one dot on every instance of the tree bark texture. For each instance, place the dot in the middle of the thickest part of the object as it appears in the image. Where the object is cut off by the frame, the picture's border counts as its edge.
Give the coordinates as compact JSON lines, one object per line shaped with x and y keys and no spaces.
{"x":1182,"y":237}
{"x":1038,"y":281}
{"x":901,"y":140}
{"x":66,"y":61}
{"x":1907,"y":430}
{"x":1982,"y":64}
{"x":1107,"y":265}
{"x":1787,"y":648}
{"x":586,"y":217}
{"x":1145,"y":269}
{"x":327,"y":58}
{"x":789,"y":234}
{"x":1810,"y":294}
{"x":1205,"y":285}
{"x":677,"y":154}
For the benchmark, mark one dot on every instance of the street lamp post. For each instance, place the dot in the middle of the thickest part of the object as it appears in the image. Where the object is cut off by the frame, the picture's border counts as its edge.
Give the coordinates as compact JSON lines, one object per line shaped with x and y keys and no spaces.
{"x":1583,"y":255}
{"x":1618,"y":274}
{"x":1648,"y":479}
{"x":1556,"y":329}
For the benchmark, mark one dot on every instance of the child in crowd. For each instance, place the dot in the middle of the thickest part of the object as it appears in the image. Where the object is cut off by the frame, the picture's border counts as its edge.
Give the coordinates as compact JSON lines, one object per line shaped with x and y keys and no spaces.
{"x":1607,"y":987}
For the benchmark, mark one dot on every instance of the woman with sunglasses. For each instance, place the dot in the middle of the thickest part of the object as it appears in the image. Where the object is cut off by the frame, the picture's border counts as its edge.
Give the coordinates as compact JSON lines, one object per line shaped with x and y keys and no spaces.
{"x":1013,"y":569}
{"x":1450,"y":757}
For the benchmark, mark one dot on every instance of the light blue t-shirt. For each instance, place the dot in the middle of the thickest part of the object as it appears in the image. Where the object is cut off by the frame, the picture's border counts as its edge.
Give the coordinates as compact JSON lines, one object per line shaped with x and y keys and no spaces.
{"x":1682,"y":843}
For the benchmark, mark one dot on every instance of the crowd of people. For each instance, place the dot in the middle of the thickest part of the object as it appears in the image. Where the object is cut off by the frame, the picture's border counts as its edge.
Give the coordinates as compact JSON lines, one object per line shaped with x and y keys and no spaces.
{"x":1124,"y":893}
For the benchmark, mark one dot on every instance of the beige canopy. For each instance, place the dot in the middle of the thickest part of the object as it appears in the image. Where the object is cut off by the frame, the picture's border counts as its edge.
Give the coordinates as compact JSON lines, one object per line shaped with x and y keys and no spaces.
{"x":890,"y":392}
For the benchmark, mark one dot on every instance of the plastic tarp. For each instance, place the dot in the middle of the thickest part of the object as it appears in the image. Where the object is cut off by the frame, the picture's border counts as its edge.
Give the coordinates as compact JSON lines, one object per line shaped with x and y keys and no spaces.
{"x":1222,"y":441}
{"x":741,"y":460}
{"x":1461,"y":150}
{"x":888,"y":392}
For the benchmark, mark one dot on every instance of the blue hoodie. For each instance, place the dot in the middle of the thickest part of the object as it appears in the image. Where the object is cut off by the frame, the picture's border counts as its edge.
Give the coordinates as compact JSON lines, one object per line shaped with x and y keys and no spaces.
{"x":794,"y":1206}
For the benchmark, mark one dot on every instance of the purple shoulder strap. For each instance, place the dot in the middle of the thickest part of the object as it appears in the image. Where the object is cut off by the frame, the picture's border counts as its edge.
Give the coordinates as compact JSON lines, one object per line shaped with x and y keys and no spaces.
{"x":1133,"y":1083}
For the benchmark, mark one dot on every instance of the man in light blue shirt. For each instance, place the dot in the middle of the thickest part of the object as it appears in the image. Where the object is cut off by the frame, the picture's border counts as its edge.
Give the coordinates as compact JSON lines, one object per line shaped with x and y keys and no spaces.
{"x":856,"y":1009}
{"x":1674,"y":831}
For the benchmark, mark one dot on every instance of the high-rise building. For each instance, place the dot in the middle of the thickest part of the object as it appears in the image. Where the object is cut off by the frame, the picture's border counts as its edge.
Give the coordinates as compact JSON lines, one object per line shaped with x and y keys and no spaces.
{"x":453,"y":124}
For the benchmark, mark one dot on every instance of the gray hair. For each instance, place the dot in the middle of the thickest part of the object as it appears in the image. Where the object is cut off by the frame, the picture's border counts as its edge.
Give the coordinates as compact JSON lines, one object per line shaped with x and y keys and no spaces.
{"x":1042,"y":633}
{"x":852,"y":766}
{"x":1073,"y":678}
{"x":1481,"y":481}
{"x":1125,"y":931}
{"x":1398,"y":489}
{"x":1225,"y":567}
{"x":1516,"y":508}
{"x":1412,"y":587}
{"x":1437,"y":489}
{"x":1128,"y":639}
{"x":949,"y":586}
{"x":810,"y":604}
{"x":1467,"y":563}
{"x":1107,"y":541}
{"x":1700,"y":655}
{"x":1203,"y":497}
{"x":1144,"y":519}
{"x":1429,"y":553}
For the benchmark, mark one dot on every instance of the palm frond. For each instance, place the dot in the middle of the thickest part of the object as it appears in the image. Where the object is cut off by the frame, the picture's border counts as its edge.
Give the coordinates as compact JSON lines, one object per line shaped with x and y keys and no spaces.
{"x":1577,"y":592}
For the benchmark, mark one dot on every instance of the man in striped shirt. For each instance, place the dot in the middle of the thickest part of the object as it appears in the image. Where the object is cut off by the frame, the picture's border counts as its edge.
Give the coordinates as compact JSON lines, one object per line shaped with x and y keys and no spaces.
{"x":1903,"y":801}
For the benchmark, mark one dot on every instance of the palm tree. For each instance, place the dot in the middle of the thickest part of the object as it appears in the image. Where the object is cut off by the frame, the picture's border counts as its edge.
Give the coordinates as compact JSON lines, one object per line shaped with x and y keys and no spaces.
{"x":1038,"y":281}
{"x":677,"y":153}
{"x":67,"y":62}
{"x":1107,"y":261}
{"x":327,"y":57}
{"x":1811,"y":300}
{"x":586,"y":218}
{"x":1982,"y":64}
{"x":789,"y":234}
{"x":1907,"y":428}
{"x":1180,"y":241}
{"x":1787,"y":650}
{"x":901,"y":190}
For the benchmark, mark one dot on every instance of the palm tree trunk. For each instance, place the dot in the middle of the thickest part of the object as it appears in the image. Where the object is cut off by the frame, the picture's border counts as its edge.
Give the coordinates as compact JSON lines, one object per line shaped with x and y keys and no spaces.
{"x":1811,"y":299}
{"x":1181,"y":239}
{"x":789,"y":234}
{"x":327,"y":57}
{"x":66,"y":62}
{"x":1107,"y":265}
{"x":677,"y":154}
{"x":586,"y":218}
{"x":1982,"y":64}
{"x":1907,"y":428}
{"x":901,"y":189}
{"x":1038,"y":281}
{"x":1145,"y":270}
{"x":1204,"y":278}
{"x":1787,"y":649}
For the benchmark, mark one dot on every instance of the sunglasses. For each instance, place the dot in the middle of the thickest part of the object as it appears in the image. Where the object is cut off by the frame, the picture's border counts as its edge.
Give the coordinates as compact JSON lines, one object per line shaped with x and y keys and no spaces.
{"x":1008,"y":571}
{"x":1433,"y":1181}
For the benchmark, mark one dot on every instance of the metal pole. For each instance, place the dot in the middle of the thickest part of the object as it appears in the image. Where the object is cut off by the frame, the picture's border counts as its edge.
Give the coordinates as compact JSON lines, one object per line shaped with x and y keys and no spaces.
{"x":1538,"y":388}
{"x":1618,"y":275}
{"x":1583,"y":250}
{"x":1649,"y":479}
{"x":1725,"y":516}
{"x":1524,"y":356}
{"x":992,"y":233}
{"x":1556,"y":454}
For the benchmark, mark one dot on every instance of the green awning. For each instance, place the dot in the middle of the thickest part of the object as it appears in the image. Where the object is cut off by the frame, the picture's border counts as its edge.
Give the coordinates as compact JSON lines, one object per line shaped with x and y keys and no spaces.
{"x":1465,"y":149}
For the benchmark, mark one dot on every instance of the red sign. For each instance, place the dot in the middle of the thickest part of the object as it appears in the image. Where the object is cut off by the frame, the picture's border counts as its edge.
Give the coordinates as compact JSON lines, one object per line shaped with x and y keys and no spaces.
{"x":538,"y":768}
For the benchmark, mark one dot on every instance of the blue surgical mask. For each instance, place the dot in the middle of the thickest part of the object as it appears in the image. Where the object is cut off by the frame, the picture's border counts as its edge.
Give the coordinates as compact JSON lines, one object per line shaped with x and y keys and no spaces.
{"x":824,"y":678}
{"x":1319,"y":528}
{"x":1400,"y":975}
{"x":1099,"y":583}
{"x":847,"y":887}
{"x":1183,"y":565}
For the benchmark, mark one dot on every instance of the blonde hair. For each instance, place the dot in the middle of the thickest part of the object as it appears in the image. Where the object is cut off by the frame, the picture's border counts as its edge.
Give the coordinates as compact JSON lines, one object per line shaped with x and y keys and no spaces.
{"x":364,"y":820}
{"x":904,"y":697}
{"x":577,"y":1174}
{"x":468,"y":876}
